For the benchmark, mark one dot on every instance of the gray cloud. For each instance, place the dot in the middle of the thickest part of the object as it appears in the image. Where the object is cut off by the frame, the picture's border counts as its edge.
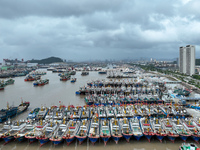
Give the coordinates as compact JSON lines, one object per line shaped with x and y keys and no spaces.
{"x":88,"y":29}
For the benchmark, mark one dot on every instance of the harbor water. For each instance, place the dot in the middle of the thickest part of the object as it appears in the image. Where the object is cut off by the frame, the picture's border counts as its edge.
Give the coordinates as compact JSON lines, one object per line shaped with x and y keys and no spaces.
{"x":63,"y":92}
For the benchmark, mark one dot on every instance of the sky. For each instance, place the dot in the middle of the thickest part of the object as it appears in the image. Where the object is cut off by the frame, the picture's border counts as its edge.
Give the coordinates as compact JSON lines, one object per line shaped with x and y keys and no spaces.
{"x":98,"y":29}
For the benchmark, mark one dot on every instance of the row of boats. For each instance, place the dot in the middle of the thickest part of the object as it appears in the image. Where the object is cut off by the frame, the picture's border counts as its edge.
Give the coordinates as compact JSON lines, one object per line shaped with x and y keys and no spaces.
{"x":96,"y":129}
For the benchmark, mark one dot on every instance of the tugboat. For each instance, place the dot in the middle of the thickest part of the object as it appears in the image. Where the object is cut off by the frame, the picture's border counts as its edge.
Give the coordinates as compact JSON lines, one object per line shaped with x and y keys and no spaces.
{"x":116,"y":131}
{"x":70,"y":133}
{"x":94,"y":130}
{"x":82,"y":132}
{"x":105,"y":130}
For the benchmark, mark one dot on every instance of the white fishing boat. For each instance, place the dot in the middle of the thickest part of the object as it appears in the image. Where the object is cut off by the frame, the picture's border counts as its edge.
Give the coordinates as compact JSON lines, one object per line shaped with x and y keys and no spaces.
{"x":136,"y":129}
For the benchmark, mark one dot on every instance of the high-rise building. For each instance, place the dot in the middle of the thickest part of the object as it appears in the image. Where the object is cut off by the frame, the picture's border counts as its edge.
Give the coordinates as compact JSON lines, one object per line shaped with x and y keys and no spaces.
{"x":187,"y":60}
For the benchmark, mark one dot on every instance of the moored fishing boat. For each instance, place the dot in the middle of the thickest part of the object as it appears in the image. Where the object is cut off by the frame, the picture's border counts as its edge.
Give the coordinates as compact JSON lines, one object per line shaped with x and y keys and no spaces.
{"x":126,"y":129}
{"x":116,"y":131}
{"x":189,"y":125}
{"x":158,"y":130}
{"x":169,"y":129}
{"x":23,"y":107}
{"x":180,"y":129}
{"x":38,"y":129}
{"x":42,"y":113}
{"x":33,"y":113}
{"x":57,"y":137}
{"x":105,"y":130}
{"x":110,"y":112}
{"x":135,"y":127}
{"x":6,"y":127}
{"x":16,"y":127}
{"x":147,"y":129}
{"x":83,"y":130}
{"x":7,"y":113}
{"x":20,"y":136}
{"x":94,"y":130}
{"x":71,"y":130}
{"x":85,"y":112}
{"x":47,"y":134}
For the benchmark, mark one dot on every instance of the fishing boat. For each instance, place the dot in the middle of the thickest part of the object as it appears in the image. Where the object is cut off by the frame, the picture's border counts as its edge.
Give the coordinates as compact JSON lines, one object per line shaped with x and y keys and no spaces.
{"x":147,"y":129}
{"x":180,"y":129}
{"x":71,"y":131}
{"x":16,"y":127}
{"x":6,"y":127}
{"x":189,"y":125}
{"x":102,"y":112}
{"x":110,"y":111}
{"x":119,"y":112}
{"x":42,"y":113}
{"x":85,"y":112}
{"x":116,"y":131}
{"x":33,"y":113}
{"x":57,"y":137}
{"x":135,"y":127}
{"x":169,"y":129}
{"x":73,"y":80}
{"x":83,"y":130}
{"x":9,"y":81}
{"x":31,"y":78}
{"x":126,"y":129}
{"x":2,"y":86}
{"x":84,"y":73}
{"x":38,"y":129}
{"x":20,"y":136}
{"x":105,"y":130}
{"x":158,"y":130}
{"x":23,"y":107}
{"x":189,"y":146}
{"x":47,"y":134}
{"x":9,"y":112}
{"x":94,"y":130}
{"x":93,"y":111}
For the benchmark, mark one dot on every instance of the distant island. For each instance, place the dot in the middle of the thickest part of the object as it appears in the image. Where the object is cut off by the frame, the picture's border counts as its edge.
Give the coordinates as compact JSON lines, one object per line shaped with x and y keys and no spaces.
{"x":46,"y":60}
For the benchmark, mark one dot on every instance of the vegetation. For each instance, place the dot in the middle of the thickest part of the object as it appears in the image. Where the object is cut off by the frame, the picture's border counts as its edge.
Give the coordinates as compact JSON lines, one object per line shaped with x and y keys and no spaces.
{"x":46,"y":60}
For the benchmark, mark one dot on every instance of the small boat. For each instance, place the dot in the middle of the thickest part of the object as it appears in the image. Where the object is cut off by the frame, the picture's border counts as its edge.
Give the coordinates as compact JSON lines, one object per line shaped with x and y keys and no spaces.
{"x":47,"y":134}
{"x":21,"y":134}
{"x":73,"y":80}
{"x":65,"y":78}
{"x":158,"y":130}
{"x":23,"y":107}
{"x":189,"y":125}
{"x":71,"y":131}
{"x":189,"y":146}
{"x":180,"y":129}
{"x":9,"y":81}
{"x":57,"y":137}
{"x":126,"y":129}
{"x":105,"y":130}
{"x":169,"y":129}
{"x":115,"y":128}
{"x":38,"y":129}
{"x":16,"y":128}
{"x":136,"y":129}
{"x":147,"y":129}
{"x":82,"y":132}
{"x":94,"y":130}
{"x":84,"y":73}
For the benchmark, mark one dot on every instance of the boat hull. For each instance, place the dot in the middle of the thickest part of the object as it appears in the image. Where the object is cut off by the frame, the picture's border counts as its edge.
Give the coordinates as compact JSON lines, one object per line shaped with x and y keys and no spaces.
{"x":43,"y":141}
{"x":69,"y":140}
{"x":138,"y":137}
{"x":93,"y":139}
{"x":116,"y":138}
{"x":127,"y":137}
{"x":105,"y":139}
{"x":81,"y":139}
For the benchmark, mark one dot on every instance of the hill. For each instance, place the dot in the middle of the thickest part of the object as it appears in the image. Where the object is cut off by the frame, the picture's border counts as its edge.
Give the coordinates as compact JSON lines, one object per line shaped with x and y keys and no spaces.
{"x":46,"y":60}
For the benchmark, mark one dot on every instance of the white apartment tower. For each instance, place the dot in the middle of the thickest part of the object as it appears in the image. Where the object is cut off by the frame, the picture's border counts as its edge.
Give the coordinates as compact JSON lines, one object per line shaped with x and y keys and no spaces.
{"x":187,"y":60}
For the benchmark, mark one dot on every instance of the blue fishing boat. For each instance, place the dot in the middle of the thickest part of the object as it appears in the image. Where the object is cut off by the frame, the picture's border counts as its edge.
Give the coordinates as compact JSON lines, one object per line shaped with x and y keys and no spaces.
{"x":116,"y":131}
{"x":126,"y":129}
{"x":105,"y":130}
{"x":71,"y":130}
{"x":94,"y":130}
{"x":7,"y":113}
{"x":82,"y":132}
{"x":136,"y":129}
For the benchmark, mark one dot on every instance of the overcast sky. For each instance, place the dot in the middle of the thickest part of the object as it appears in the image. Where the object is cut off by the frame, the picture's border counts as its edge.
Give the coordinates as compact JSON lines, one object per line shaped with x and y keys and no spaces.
{"x":98,"y":29}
